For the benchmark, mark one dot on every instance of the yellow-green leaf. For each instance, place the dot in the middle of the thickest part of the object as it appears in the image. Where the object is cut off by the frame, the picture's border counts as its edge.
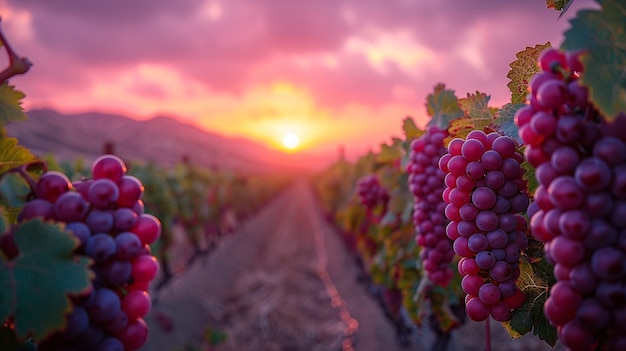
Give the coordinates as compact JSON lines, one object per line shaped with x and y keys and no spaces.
{"x":476,"y":107}
{"x":411,"y":131}
{"x":10,"y":104}
{"x":522,"y":69}
{"x":12,"y":154}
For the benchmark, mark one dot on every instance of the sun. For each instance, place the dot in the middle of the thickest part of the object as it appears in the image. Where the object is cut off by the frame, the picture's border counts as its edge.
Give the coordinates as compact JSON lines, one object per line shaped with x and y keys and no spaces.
{"x":291,"y":141}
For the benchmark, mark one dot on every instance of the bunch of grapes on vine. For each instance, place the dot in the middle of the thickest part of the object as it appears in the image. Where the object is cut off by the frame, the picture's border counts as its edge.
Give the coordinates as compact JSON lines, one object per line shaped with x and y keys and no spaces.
{"x":579,"y":208}
{"x":105,"y":214}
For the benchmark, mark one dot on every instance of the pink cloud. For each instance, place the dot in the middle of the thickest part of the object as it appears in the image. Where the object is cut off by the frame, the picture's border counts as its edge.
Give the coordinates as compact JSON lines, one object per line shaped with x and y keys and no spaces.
{"x":232,"y":46}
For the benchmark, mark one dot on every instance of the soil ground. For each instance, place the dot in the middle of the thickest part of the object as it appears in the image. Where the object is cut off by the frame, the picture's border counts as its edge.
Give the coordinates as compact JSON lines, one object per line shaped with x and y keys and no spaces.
{"x":285,"y":281}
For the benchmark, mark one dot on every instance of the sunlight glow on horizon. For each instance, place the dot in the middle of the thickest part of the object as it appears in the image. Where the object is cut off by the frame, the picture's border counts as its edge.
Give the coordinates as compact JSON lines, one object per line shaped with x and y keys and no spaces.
{"x":291,"y":141}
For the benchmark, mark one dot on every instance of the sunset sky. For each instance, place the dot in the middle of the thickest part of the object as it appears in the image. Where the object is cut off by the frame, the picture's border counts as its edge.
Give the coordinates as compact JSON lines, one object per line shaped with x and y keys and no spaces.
{"x":333,"y":72}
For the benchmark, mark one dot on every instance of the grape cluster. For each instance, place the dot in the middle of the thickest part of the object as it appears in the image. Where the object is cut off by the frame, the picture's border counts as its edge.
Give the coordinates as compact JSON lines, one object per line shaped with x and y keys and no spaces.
{"x":371,"y":193}
{"x":105,"y":213}
{"x":426,"y":182}
{"x":485,"y":194}
{"x":579,"y":207}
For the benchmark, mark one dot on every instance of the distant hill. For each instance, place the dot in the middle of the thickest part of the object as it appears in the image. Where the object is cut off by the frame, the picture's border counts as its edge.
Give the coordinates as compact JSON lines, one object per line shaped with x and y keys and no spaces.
{"x":161,"y":140}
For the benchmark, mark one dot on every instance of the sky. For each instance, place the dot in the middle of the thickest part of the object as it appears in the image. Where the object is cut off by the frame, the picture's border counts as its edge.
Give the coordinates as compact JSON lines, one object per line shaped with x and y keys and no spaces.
{"x":336,"y":73}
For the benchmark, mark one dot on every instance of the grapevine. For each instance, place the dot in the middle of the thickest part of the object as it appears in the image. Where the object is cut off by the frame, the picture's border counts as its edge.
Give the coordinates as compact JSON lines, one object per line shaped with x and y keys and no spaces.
{"x":535,"y":275}
{"x":485,"y":196}
{"x":579,"y":160}
{"x":105,"y":216}
{"x":426,"y":182}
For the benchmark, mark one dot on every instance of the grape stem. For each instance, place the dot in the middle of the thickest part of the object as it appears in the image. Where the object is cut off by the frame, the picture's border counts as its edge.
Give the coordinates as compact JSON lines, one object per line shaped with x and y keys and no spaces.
{"x":487,"y":335}
{"x":17,"y":65}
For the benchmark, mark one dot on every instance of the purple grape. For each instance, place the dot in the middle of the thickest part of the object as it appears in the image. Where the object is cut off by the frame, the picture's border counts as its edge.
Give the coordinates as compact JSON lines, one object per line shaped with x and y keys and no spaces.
{"x":485,"y":260}
{"x":501,"y":271}
{"x":77,"y":322}
{"x":100,"y":247}
{"x":124,"y":218}
{"x":116,"y":272}
{"x":489,"y":294}
{"x":484,"y":198}
{"x":477,"y":242}
{"x":427,"y":187}
{"x":101,"y":221}
{"x":103,"y":194}
{"x":36,"y":208}
{"x":110,"y":344}
{"x":128,"y":245}
{"x":491,"y":160}
{"x":70,"y":207}
{"x":565,"y":159}
{"x":104,"y":307}
{"x":486,"y":220}
{"x":81,"y":232}
{"x":593,"y":174}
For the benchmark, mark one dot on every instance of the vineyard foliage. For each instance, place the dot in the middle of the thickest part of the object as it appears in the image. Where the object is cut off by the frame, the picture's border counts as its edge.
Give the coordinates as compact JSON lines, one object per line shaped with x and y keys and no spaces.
{"x":385,"y":242}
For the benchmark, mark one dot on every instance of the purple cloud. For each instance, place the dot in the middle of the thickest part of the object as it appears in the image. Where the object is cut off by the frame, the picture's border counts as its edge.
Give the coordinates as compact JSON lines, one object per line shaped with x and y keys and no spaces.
{"x":229,"y":45}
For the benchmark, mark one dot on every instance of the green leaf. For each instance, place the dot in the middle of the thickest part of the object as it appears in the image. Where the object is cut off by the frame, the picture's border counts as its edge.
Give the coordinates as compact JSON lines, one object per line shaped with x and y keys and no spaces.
{"x":522,"y":70}
{"x":505,"y":121}
{"x":40,"y":278}
{"x":529,"y":176}
{"x":443,"y":106}
{"x":13,"y":190}
{"x":475,"y":106}
{"x":603,"y":35}
{"x":10,"y":104}
{"x":411,"y":131}
{"x":13,"y":155}
{"x":535,"y":281}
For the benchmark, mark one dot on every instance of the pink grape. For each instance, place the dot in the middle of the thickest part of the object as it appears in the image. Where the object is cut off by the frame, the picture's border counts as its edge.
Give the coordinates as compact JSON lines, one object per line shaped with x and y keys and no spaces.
{"x":484,"y":186}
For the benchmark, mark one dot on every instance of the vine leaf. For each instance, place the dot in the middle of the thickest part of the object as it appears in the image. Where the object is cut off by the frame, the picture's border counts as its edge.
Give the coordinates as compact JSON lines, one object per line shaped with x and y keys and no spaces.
{"x":390,"y":153}
{"x":13,"y":155}
{"x":505,"y":121}
{"x":10,"y":104}
{"x":603,"y":35}
{"x":13,"y":190}
{"x":443,"y":106}
{"x":476,"y":115}
{"x":529,"y":176}
{"x":40,"y":277}
{"x":522,"y":70}
{"x":459,"y":128}
{"x":475,"y":106}
{"x":411,"y":131}
{"x":535,"y":283}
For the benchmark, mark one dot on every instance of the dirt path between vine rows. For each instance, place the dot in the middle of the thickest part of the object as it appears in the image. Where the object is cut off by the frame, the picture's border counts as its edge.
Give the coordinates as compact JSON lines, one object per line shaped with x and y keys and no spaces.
{"x":284,"y":281}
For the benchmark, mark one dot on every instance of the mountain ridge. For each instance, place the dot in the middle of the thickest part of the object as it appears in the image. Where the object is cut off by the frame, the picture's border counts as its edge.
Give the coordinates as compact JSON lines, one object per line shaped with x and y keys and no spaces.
{"x":162,"y":140}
